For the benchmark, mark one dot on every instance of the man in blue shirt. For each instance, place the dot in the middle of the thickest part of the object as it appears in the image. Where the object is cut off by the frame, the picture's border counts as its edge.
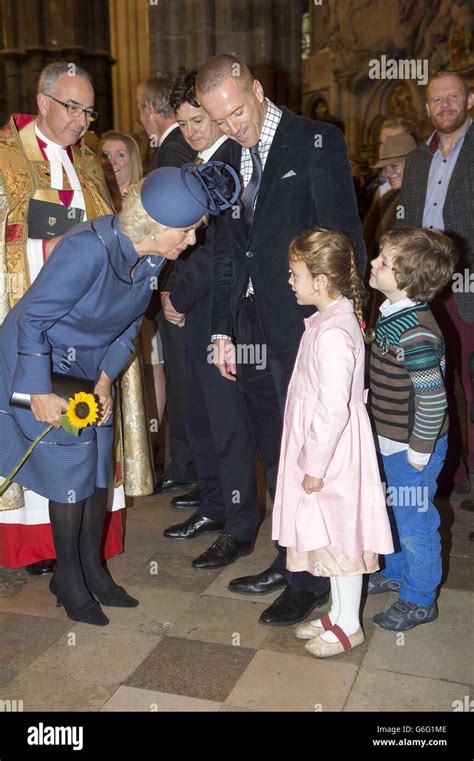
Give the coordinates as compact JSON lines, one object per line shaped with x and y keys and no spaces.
{"x":438,"y":193}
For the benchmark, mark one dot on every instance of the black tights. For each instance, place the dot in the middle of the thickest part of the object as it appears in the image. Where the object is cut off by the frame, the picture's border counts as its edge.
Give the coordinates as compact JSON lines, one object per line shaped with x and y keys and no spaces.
{"x":77,"y":533}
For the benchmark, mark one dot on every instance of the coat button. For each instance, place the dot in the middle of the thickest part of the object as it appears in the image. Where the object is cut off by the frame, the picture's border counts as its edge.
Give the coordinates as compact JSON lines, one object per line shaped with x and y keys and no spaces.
{"x":248,"y":254}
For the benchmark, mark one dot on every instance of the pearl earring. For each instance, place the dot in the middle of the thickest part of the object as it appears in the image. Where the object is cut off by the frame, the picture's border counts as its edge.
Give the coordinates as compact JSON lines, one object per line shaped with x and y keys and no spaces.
{"x":152,"y":237}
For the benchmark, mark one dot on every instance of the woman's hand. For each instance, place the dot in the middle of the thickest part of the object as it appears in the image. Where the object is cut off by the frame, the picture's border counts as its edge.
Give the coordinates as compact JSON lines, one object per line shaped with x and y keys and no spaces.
{"x":48,"y":408}
{"x":103,"y":390}
{"x":311,"y":484}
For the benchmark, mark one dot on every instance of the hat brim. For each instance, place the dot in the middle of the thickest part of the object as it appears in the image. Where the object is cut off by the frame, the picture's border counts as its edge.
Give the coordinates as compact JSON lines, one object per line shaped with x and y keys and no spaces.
{"x":390,"y":160}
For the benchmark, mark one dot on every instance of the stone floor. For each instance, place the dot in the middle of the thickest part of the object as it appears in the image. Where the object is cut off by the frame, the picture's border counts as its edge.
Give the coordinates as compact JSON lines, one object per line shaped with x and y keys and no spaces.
{"x":192,"y":645}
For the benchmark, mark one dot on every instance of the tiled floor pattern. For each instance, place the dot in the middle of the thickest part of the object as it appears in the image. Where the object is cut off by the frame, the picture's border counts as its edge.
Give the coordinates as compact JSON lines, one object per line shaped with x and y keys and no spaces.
{"x":192,"y":645}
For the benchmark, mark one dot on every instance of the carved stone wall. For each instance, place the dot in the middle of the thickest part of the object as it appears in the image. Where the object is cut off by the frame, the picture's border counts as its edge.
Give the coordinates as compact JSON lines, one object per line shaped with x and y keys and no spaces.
{"x":38,"y":32}
{"x":265,"y":33}
{"x":348,"y":34}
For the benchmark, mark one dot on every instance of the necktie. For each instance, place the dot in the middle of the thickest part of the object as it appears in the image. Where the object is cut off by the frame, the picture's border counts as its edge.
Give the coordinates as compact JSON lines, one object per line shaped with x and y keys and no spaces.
{"x":199,"y":161}
{"x":250,"y":192}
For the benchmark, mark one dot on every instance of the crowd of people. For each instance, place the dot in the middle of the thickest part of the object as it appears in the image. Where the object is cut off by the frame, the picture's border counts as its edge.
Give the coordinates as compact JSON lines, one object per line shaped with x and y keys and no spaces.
{"x":178,"y":274}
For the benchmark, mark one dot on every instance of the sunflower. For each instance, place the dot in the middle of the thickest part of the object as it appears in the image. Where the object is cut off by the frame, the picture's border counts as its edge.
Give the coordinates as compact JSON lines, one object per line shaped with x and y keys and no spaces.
{"x":82,"y":410}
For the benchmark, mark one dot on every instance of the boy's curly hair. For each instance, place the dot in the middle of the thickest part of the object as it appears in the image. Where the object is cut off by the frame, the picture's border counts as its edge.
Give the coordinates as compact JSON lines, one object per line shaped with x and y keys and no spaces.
{"x":423,"y":260}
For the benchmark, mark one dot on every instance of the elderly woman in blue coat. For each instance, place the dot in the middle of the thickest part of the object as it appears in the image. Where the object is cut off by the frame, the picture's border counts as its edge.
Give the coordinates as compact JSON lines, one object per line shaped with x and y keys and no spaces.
{"x":80,"y":318}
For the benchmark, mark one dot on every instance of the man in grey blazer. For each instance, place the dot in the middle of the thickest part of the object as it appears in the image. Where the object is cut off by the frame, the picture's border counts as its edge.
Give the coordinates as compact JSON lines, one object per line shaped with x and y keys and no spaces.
{"x":296,"y":176}
{"x":438,"y":192}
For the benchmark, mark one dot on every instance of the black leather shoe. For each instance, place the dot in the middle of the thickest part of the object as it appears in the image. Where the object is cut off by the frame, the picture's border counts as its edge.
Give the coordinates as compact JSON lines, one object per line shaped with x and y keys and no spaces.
{"x":42,"y":566}
{"x":197,"y":524}
{"x":167,"y":484}
{"x":293,"y":606}
{"x":224,"y":551}
{"x":185,"y":501}
{"x":262,"y":584}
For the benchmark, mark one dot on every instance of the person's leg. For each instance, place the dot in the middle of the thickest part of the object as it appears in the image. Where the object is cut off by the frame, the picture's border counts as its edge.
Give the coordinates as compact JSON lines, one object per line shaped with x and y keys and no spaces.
{"x":311,"y":629}
{"x":202,"y":443}
{"x":349,"y":591}
{"x":264,"y":389}
{"x":68,"y":584}
{"x":412,"y":492}
{"x":262,"y":401}
{"x":97,"y":579}
{"x":181,"y":467}
{"x":395,"y":563}
{"x":66,"y":520}
{"x":235,"y":451}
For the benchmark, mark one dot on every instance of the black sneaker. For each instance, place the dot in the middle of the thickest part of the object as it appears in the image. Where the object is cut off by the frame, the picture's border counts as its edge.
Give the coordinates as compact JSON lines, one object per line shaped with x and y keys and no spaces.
{"x":404,"y":615}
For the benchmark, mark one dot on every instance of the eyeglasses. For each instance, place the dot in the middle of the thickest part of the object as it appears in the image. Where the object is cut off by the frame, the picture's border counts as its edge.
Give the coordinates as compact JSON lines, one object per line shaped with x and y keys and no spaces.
{"x":75,"y":111}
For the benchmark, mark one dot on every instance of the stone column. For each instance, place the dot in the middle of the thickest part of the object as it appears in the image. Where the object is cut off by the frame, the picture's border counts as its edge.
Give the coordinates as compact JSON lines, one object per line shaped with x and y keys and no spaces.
{"x":262,"y":58}
{"x":287,"y":56}
{"x":38,"y":32}
{"x":200,"y":25}
{"x":129,"y":34}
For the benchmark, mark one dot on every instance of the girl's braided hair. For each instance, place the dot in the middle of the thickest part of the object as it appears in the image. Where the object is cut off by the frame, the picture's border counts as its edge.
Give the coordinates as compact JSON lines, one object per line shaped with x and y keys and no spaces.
{"x":331,"y":253}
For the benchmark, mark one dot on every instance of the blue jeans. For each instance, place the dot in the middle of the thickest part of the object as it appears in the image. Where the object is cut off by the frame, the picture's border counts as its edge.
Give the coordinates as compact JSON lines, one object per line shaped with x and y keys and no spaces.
{"x":417,"y":564}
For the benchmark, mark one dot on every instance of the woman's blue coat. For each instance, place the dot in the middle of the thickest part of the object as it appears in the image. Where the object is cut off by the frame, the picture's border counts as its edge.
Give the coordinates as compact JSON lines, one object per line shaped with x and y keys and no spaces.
{"x":80,"y":317}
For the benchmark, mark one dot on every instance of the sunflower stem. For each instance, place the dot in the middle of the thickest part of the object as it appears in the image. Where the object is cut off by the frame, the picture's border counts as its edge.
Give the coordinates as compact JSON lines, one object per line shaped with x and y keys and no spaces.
{"x":17,"y":467}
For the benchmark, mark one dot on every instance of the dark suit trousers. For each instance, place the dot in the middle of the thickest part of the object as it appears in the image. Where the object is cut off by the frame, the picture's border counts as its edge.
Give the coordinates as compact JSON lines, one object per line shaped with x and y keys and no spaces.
{"x":264,"y":391}
{"x":219,"y":435}
{"x":181,"y":467}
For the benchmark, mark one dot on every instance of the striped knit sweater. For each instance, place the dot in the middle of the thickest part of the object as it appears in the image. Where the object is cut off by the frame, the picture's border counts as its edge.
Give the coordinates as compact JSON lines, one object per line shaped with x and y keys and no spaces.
{"x":408,"y":397}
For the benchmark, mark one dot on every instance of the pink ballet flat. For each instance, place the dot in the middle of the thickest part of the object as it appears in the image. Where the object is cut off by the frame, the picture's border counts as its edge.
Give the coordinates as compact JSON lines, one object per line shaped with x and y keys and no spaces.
{"x":310,"y":630}
{"x":322,"y":649}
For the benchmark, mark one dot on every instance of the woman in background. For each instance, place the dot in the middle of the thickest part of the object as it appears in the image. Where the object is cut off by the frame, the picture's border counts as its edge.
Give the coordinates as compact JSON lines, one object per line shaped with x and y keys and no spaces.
{"x":122,"y":164}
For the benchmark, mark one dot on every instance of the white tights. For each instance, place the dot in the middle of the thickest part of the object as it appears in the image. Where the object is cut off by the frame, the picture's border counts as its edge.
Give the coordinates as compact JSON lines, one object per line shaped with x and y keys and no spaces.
{"x":346,"y":592}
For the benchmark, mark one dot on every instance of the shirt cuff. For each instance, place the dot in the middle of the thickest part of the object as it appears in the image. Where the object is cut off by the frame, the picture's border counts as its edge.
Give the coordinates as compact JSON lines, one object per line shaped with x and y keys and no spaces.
{"x":419,"y":458}
{"x":34,"y":254}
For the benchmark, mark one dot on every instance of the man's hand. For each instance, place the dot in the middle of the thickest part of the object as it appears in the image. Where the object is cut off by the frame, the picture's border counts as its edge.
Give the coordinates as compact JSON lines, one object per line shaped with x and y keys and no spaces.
{"x":176,"y":318}
{"x":50,"y":244}
{"x":311,"y":484}
{"x":223,"y":358}
{"x":48,"y":408}
{"x":103,"y":390}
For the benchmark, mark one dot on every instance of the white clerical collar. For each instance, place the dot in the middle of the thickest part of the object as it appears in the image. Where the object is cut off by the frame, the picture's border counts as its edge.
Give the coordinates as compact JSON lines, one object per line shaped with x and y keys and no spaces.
{"x":47,"y":139}
{"x":387,"y":308}
{"x":206,"y":155}
{"x":58,"y":159}
{"x":166,"y":133}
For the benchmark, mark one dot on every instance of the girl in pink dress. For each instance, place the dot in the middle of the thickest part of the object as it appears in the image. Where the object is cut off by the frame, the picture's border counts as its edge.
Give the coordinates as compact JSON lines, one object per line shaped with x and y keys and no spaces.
{"x":329,"y":506}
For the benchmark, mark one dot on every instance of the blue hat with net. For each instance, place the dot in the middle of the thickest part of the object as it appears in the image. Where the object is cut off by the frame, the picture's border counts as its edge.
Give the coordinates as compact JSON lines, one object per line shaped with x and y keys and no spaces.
{"x":180,"y":197}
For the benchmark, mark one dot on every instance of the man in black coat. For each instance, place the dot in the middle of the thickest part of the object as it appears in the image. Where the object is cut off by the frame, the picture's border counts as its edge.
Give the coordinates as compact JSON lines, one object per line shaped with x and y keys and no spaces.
{"x":158,"y":119}
{"x":219,"y":432}
{"x":296,"y":176}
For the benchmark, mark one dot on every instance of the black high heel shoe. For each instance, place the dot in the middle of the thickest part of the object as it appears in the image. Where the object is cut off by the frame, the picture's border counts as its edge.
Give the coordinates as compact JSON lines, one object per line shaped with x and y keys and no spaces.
{"x":116,"y":597}
{"x":88,"y":612}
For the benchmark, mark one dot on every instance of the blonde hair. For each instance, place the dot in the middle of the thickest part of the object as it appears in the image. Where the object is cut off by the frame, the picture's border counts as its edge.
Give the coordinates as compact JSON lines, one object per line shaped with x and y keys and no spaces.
{"x":331,"y":253}
{"x":135,"y":222}
{"x":423,"y":260}
{"x":136,"y":169}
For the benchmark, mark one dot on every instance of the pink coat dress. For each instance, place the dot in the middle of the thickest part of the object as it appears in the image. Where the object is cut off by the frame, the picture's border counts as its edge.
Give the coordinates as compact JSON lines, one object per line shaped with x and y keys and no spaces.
{"x":327,"y":434}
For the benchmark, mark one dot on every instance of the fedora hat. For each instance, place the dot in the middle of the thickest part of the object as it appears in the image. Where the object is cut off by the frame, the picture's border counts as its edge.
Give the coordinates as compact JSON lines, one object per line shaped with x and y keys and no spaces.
{"x":395,"y":149}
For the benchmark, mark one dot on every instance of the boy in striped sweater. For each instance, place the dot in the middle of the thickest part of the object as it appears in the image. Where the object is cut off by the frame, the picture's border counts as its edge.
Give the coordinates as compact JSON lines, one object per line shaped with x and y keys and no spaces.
{"x":409,"y":408}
